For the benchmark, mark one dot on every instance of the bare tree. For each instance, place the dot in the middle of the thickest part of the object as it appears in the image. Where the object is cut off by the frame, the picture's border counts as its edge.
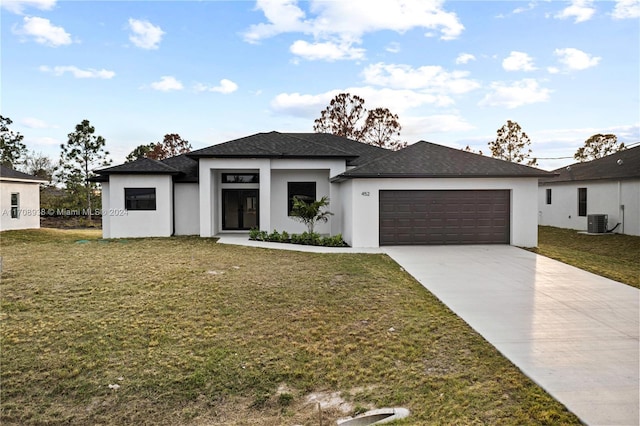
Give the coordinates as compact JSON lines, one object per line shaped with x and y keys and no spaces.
{"x":38,"y":164}
{"x":512,"y":144}
{"x":346,"y":116}
{"x":598,"y":146}
{"x":171,"y":145}
{"x":342,"y":117}
{"x":382,"y":128}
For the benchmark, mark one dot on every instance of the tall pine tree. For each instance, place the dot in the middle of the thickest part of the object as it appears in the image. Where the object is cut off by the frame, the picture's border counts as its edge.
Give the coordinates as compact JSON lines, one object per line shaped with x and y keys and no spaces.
{"x":83,"y":152}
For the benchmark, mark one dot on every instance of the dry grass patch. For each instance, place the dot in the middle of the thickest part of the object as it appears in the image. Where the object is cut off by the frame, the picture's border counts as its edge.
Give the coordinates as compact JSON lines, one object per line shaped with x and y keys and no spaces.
{"x":614,"y":256}
{"x":141,"y":331}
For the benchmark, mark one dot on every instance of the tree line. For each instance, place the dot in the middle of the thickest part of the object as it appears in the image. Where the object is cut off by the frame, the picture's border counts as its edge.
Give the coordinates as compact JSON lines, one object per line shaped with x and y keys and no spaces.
{"x":69,"y":184}
{"x":345,"y":116}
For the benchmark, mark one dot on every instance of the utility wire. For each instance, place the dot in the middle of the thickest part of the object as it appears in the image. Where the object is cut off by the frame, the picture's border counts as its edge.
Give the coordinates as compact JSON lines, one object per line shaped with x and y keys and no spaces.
{"x":564,"y":158}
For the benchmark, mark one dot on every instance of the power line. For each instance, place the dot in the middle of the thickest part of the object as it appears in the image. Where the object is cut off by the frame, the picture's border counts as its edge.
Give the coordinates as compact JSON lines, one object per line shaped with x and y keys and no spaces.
{"x":564,"y":158}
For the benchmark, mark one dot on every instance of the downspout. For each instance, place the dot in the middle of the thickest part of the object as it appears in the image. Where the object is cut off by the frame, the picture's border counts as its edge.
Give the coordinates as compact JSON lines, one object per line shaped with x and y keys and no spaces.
{"x":173,"y":207}
{"x":620,"y":206}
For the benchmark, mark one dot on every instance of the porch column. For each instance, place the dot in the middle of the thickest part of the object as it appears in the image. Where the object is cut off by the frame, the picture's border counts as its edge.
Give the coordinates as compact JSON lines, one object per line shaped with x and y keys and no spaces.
{"x":206,"y":191}
{"x":265,"y":196}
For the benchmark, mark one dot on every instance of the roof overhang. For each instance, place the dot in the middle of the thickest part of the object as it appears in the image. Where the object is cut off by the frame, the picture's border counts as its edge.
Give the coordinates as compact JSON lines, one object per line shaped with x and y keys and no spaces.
{"x":346,"y":176}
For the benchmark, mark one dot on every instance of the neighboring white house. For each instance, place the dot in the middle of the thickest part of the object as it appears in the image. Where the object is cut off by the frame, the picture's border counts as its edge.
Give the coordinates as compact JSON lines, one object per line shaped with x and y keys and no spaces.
{"x":422,"y":194}
{"x":608,"y":186}
{"x":19,"y":200}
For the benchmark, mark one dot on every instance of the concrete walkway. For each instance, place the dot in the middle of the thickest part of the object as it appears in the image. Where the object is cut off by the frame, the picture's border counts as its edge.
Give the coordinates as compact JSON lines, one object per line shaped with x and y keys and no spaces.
{"x":572,"y":332}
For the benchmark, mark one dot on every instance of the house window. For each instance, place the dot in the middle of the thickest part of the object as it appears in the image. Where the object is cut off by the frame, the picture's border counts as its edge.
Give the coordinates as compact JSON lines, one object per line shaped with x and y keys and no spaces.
{"x":240,"y":177}
{"x":15,"y":205}
{"x":140,"y":198}
{"x":548,"y":195}
{"x":305,"y":191}
{"x":582,"y":201}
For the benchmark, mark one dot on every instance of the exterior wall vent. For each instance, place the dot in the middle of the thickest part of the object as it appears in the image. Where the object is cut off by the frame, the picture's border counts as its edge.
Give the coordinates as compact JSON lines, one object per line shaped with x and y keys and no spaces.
{"x":597,"y":223}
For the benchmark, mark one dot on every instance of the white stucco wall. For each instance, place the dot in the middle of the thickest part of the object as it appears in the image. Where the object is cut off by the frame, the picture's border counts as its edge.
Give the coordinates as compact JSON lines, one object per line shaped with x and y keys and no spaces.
{"x":210,"y":191}
{"x":604,"y":197}
{"x":186,"y":209}
{"x":364,"y":220}
{"x":280,"y":219}
{"x":138,"y":223}
{"x":346,"y":210}
{"x":29,"y":205}
{"x":106,"y":219}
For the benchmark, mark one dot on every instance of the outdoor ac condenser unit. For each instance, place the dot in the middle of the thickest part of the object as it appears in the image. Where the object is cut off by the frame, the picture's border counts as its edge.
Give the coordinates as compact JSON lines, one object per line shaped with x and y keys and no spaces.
{"x":597,"y":223}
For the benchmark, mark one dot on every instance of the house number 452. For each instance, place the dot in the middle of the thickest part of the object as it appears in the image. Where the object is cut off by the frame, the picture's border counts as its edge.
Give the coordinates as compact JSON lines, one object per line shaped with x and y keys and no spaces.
{"x":365,"y":193}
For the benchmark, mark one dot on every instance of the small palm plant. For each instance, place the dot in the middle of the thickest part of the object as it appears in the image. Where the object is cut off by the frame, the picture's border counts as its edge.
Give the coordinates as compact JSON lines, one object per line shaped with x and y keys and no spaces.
{"x":310,"y":213}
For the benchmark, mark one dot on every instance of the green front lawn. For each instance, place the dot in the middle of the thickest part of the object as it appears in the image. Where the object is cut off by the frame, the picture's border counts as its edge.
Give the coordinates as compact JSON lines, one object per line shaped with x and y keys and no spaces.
{"x":185,"y":331}
{"x":613,"y":256}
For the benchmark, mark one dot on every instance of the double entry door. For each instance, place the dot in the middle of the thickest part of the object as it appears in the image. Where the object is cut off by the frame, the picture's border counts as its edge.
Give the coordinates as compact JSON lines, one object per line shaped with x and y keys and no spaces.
{"x":240,"y":209}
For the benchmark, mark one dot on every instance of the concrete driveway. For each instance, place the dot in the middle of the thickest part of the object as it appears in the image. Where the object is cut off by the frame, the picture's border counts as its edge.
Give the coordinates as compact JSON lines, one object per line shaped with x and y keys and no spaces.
{"x":572,"y":332}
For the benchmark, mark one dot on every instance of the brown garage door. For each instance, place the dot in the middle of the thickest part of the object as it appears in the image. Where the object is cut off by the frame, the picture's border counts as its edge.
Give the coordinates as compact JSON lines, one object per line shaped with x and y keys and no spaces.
{"x":444,"y":217}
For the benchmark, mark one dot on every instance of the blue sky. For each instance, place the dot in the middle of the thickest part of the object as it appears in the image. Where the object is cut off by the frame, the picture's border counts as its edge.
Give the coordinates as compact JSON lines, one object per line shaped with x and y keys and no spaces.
{"x":454,"y":71}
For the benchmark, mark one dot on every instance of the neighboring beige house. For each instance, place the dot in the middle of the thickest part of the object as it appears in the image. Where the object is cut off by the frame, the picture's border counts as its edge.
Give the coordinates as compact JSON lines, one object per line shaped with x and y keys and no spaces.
{"x":607,"y":186}
{"x":423,"y":194}
{"x":19,"y":200}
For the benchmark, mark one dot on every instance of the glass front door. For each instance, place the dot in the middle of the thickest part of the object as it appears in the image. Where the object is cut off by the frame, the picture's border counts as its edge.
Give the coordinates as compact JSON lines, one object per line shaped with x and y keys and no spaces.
{"x":240,"y":209}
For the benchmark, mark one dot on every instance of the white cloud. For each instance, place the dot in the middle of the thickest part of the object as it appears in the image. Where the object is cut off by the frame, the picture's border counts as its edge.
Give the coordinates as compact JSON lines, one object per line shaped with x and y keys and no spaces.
{"x":464,"y":58}
{"x":44,"y":140}
{"x":581,"y":10}
{"x":77,"y":72}
{"x":518,"y":61}
{"x":145,"y":34}
{"x":43,"y":32}
{"x":530,"y":6}
{"x":166,"y":84}
{"x":626,"y":9}
{"x":18,"y":6}
{"x":283,"y":15}
{"x":393,"y":47}
{"x":326,"y":51}
{"x":439,"y":123}
{"x":225,"y":87}
{"x":523,"y":92}
{"x":398,"y":101}
{"x":575,"y":59}
{"x":337,"y":25}
{"x":431,"y":78}
{"x":34,"y":123}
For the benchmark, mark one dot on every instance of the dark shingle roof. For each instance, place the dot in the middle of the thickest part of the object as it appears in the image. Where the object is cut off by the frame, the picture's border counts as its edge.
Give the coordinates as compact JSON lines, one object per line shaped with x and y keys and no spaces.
{"x":184,"y":169}
{"x":426,"y":159}
{"x":292,"y":145}
{"x":364,"y":152}
{"x":623,"y":164}
{"x":142,"y":165}
{"x":9,"y":173}
{"x":188,"y":167}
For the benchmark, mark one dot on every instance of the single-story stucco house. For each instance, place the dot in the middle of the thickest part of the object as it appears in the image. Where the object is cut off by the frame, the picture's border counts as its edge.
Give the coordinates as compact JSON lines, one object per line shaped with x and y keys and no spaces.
{"x":606,"y":186}
{"x":423,"y":194}
{"x":19,"y":200}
